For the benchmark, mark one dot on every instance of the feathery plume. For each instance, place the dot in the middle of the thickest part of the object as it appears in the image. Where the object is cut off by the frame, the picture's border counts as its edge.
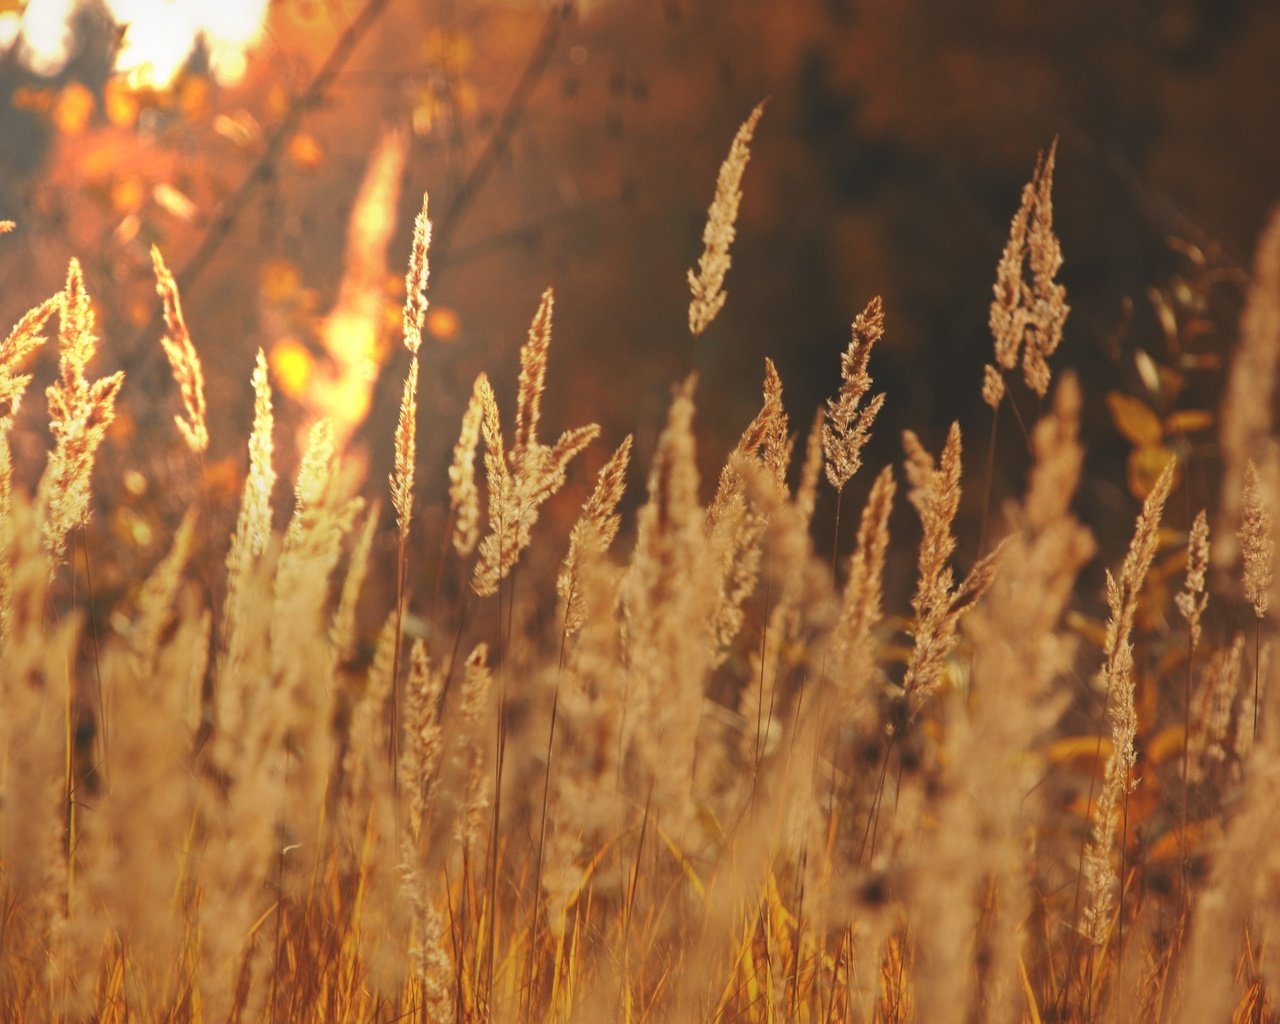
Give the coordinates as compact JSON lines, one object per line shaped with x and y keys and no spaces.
{"x":935,"y":493}
{"x":521,"y":481}
{"x":420,"y":759}
{"x":183,"y":358}
{"x":26,"y":336}
{"x":707,"y":285}
{"x":476,"y":684}
{"x":860,"y":606}
{"x":1122,"y":600}
{"x":593,"y":532}
{"x":1193,"y":599}
{"x":992,"y":385}
{"x":415,"y":281}
{"x":464,"y":496}
{"x":848,"y":427}
{"x":253,"y":525}
{"x":533,"y":376}
{"x":1257,"y":539}
{"x":79,"y":414}
{"x":1033,"y":311}
{"x":402,"y":475}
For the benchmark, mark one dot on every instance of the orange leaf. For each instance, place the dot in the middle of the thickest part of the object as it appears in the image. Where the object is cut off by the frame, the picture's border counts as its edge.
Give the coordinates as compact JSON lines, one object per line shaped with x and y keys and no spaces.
{"x":1134,"y":419}
{"x":1165,"y":744}
{"x":1188,"y":421}
{"x":305,"y":151}
{"x":1079,"y":748}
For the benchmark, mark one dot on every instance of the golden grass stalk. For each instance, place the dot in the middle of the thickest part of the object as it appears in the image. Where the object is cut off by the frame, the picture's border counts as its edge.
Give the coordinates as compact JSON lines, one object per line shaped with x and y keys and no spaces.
{"x":27,"y":336}
{"x":79,"y":414}
{"x":1257,"y":540}
{"x":464,"y":496}
{"x":1032,"y":311}
{"x":420,"y":759}
{"x":248,"y":545}
{"x":1246,"y":418}
{"x":992,"y":803}
{"x":848,"y":424}
{"x":668,"y":598}
{"x":406,"y":453}
{"x":736,"y":525}
{"x":1123,"y":593}
{"x":592,"y":534}
{"x":521,"y":481}
{"x":707,"y":285}
{"x":935,"y":493}
{"x":861,"y":606}
{"x":1193,"y":598}
{"x":183,"y":358}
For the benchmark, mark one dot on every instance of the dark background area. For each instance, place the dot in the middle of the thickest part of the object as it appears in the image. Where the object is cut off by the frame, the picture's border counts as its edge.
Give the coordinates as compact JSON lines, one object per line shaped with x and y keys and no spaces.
{"x":889,"y":161}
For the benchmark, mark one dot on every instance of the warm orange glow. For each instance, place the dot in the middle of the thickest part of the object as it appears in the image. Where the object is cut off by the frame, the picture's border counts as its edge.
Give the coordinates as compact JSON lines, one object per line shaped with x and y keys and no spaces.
{"x":443,"y":323}
{"x":158,"y":36}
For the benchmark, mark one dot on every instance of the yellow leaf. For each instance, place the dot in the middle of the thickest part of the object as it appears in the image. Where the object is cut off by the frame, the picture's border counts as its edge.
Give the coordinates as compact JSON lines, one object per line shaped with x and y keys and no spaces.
{"x":1188,"y":421}
{"x":1079,"y":748}
{"x":1134,"y":419}
{"x":1165,"y":744}
{"x":119,"y":102}
{"x":292,"y":366}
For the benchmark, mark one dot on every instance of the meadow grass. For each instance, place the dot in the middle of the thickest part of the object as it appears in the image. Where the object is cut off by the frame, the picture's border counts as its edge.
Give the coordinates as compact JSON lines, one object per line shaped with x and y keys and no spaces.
{"x":723,"y":781}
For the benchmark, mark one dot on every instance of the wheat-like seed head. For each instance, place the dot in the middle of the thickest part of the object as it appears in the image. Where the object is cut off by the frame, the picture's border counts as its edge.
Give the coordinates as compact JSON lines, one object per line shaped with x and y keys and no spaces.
{"x":707,"y":285}
{"x":27,"y":336}
{"x":80,"y":412}
{"x":406,"y":451}
{"x":1032,"y":311}
{"x":1191,"y":601}
{"x":183,"y":358}
{"x":533,"y":376}
{"x":415,"y":281}
{"x":593,"y":532}
{"x":848,"y":425}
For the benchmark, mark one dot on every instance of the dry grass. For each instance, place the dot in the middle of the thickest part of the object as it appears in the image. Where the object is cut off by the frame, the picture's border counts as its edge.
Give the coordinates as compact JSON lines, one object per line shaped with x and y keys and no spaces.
{"x":722,"y":781}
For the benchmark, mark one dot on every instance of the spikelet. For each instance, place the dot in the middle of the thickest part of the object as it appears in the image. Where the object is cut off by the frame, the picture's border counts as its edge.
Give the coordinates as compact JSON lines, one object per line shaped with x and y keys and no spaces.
{"x":523,"y":479}
{"x":935,"y":493}
{"x":183,"y":358}
{"x":401,"y":478}
{"x":848,"y":427}
{"x":1033,"y":311}
{"x":1246,"y":419}
{"x":415,"y":281}
{"x":736,"y":525}
{"x":79,"y":414}
{"x":593,"y":532}
{"x":476,"y":684}
{"x":707,"y":285}
{"x":253,"y":525}
{"x":1257,"y":539}
{"x":26,"y":336}
{"x":1122,"y":593}
{"x":1193,"y":598}
{"x":533,"y":377}
{"x":1122,"y":600}
{"x":464,"y":496}
{"x":992,"y":385}
{"x":861,"y":602}
{"x":420,"y":759}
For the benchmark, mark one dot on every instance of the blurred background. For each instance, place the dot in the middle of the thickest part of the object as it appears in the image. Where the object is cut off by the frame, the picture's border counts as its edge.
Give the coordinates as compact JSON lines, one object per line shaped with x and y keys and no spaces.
{"x":277,"y":150}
